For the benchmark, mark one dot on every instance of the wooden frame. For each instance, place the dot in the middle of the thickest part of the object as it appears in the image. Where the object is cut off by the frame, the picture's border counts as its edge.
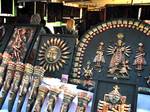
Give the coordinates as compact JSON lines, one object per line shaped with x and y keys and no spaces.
{"x":21,"y":41}
{"x":5,"y":33}
{"x":62,"y":46}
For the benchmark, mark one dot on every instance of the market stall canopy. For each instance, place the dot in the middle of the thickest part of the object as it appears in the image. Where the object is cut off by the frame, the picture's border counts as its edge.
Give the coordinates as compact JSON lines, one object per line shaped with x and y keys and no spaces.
{"x":76,"y":0}
{"x":92,"y":4}
{"x":53,"y":0}
{"x":32,"y":1}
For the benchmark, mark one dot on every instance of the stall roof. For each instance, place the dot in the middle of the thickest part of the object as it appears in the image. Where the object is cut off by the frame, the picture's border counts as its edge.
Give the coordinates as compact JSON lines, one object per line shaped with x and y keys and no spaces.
{"x":32,"y":0}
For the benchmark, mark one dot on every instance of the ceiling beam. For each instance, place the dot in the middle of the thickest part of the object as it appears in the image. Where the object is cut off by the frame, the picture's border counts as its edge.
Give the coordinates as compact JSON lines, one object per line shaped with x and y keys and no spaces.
{"x":32,"y":1}
{"x":76,"y":0}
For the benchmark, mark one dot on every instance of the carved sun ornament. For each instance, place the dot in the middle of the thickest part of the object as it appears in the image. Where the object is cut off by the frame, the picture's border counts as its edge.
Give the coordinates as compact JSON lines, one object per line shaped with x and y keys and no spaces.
{"x":53,"y":54}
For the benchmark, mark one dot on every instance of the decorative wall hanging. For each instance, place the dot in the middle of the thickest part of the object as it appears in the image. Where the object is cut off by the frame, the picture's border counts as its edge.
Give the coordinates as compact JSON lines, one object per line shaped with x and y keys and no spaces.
{"x":21,"y":41}
{"x":114,"y":102}
{"x":120,"y":38}
{"x":55,"y":54}
{"x":99,"y":58}
{"x":119,"y":65}
{"x":140,"y":61}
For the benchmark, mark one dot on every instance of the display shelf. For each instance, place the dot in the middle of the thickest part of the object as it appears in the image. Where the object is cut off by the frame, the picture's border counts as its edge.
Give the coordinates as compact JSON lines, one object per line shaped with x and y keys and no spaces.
{"x":48,"y":82}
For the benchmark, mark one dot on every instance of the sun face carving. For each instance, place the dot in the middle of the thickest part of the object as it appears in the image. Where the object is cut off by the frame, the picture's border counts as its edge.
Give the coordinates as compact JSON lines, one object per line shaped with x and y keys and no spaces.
{"x":53,"y":54}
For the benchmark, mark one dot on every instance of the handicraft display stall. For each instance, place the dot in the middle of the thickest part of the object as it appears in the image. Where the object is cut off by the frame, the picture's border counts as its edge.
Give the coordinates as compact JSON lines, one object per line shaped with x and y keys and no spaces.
{"x":111,"y":60}
{"x":114,"y":51}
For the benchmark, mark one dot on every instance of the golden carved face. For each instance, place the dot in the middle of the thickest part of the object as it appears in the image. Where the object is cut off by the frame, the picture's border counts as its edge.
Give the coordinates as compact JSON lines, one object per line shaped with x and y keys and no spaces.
{"x":53,"y":54}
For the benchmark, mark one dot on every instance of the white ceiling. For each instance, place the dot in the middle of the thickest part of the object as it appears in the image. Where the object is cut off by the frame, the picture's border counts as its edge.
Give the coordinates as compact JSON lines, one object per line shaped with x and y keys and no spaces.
{"x":93,"y":4}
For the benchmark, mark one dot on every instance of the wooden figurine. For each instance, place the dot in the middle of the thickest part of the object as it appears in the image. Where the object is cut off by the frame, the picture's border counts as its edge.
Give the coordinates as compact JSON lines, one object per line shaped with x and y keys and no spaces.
{"x":37,"y":77}
{"x":68,"y":97}
{"x":3,"y":67}
{"x":15,"y":84}
{"x":54,"y":92}
{"x":24,"y":85}
{"x":83,"y":100}
{"x":42,"y":92}
{"x":7,"y":83}
{"x":140,"y":61}
{"x":99,"y":58}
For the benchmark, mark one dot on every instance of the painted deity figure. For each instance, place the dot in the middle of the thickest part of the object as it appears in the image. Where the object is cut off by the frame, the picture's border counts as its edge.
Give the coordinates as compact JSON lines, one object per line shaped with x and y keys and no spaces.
{"x":114,"y":102}
{"x":119,"y":63}
{"x":140,"y":61}
{"x":17,"y":46}
{"x":18,"y":43}
{"x":99,"y":58}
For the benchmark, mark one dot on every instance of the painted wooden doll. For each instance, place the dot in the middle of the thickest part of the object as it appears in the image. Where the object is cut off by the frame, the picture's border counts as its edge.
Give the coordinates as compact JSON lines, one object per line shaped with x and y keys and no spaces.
{"x":140,"y":61}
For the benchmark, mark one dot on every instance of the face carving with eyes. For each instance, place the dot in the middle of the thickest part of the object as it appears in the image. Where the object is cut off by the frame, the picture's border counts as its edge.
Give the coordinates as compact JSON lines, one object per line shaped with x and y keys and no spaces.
{"x":53,"y":54}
